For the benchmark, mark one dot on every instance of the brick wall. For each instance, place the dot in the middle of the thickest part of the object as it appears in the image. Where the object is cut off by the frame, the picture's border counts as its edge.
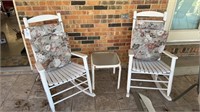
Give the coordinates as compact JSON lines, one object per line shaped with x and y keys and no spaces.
{"x":92,"y":25}
{"x":184,"y":50}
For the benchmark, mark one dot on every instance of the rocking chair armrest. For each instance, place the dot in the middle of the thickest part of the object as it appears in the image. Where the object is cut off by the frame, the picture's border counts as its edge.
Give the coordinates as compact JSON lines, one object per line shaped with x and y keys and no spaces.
{"x":39,"y":67}
{"x":170,"y":55}
{"x":130,"y":53}
{"x":78,"y":54}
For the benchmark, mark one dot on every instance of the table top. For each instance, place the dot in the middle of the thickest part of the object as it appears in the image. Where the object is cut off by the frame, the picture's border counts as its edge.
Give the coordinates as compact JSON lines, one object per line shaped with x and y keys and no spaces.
{"x":105,"y":58}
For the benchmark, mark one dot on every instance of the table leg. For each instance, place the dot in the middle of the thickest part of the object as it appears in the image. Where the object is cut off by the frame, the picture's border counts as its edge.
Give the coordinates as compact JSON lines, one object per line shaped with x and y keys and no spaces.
{"x":93,"y":78}
{"x":119,"y":77}
{"x":114,"y":70}
{"x":199,"y":98}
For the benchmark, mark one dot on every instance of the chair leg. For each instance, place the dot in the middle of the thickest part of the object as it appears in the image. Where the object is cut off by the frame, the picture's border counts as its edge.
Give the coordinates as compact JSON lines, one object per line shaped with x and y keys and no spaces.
{"x":129,"y":76}
{"x":89,"y":84}
{"x":49,"y":98}
{"x":51,"y":104}
{"x":128,"y":84}
{"x":169,"y":88}
{"x":88,"y":75}
{"x":119,"y":77}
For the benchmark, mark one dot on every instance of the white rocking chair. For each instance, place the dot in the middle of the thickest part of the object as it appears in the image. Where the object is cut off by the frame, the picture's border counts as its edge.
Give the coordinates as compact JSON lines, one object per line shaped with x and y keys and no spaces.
{"x":161,"y":73}
{"x":73,"y":73}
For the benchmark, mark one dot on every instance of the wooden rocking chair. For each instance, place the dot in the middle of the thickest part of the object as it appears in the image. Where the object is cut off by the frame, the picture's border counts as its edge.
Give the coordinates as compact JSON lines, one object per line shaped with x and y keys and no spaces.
{"x":148,"y":40}
{"x":71,"y":72}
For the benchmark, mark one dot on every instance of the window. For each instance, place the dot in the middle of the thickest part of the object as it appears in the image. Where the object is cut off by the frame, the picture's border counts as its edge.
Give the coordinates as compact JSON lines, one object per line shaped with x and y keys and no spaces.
{"x":183,"y":20}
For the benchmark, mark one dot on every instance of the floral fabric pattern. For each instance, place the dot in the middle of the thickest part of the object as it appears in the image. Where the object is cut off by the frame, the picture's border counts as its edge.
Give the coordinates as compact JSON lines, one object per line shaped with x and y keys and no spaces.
{"x":148,"y":43}
{"x":51,"y":46}
{"x":142,"y":24}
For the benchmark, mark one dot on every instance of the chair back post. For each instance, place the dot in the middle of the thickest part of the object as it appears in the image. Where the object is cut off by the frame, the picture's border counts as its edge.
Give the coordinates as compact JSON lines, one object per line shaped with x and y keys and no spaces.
{"x":134,"y":19}
{"x":25,"y":22}
{"x":165,"y":19}
{"x":133,"y":25}
{"x":60,"y":21}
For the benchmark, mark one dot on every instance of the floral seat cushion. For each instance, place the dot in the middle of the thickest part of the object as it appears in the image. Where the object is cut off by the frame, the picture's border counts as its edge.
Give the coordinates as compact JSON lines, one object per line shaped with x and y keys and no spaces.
{"x":148,"y":43}
{"x":143,"y":24}
{"x":51,"y":46}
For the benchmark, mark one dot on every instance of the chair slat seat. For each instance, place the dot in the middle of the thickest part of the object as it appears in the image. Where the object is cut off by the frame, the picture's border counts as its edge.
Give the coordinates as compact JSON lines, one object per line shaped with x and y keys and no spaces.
{"x":151,"y":67}
{"x":67,"y":73}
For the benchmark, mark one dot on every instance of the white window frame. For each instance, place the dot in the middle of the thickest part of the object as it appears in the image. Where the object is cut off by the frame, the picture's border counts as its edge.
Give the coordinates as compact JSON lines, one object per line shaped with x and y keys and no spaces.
{"x":179,"y":35}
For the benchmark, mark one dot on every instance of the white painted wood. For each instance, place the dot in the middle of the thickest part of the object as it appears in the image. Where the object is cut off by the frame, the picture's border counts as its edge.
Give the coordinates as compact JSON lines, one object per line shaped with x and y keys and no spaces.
{"x":67,"y":74}
{"x":78,"y":54}
{"x":149,"y":14}
{"x":129,"y":74}
{"x":42,"y":18}
{"x":155,"y":68}
{"x":152,"y":88}
{"x":148,"y":80}
{"x":119,"y":77}
{"x":170,"y":54}
{"x":93,"y":77}
{"x":184,"y":36}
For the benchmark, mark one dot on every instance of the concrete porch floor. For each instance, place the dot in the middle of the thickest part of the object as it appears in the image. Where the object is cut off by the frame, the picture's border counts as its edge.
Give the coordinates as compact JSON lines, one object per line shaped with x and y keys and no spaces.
{"x":24,"y":93}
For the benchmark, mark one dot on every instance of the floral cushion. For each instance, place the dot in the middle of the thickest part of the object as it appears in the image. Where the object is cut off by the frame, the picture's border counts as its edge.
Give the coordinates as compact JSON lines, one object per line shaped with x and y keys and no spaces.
{"x":142,"y":24}
{"x":51,"y":46}
{"x":148,"y":44}
{"x":39,"y":31}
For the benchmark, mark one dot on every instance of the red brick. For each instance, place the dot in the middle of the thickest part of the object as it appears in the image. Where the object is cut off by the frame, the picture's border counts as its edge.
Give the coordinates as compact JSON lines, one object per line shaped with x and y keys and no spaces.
{"x":54,"y":8}
{"x":24,"y":8}
{"x":39,"y":8}
{"x":88,"y":33}
{"x":87,"y":17}
{"x":72,"y":17}
{"x":112,"y":41}
{"x":101,"y":25}
{"x":155,"y":6}
{"x":50,"y":3}
{"x":66,"y":2}
{"x":32,"y":13}
{"x":93,"y":29}
{"x":95,"y":2}
{"x":80,"y":30}
{"x":43,"y":3}
{"x":58,"y":3}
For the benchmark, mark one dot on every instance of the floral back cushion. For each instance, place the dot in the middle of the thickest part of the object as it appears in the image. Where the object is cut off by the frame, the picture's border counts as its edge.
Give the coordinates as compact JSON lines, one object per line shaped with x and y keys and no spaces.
{"x":148,"y":43}
{"x":142,"y":24}
{"x":51,"y":46}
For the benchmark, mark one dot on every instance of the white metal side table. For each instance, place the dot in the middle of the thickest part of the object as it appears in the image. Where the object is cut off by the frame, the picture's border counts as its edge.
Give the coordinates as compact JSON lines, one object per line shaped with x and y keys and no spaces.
{"x":105,"y":60}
